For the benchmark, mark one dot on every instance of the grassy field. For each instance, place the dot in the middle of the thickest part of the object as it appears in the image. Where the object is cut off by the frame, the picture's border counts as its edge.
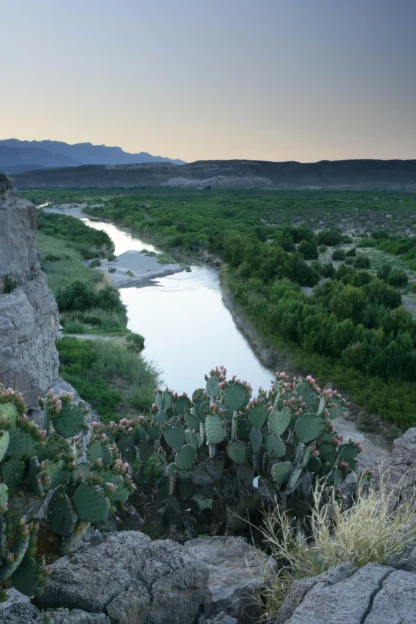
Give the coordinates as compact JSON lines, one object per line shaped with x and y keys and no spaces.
{"x":307,"y":268}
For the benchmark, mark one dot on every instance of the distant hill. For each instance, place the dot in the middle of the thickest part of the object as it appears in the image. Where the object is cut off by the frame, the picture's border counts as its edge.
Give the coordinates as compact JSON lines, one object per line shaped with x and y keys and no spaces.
{"x":16,"y":155}
{"x":341,"y":174}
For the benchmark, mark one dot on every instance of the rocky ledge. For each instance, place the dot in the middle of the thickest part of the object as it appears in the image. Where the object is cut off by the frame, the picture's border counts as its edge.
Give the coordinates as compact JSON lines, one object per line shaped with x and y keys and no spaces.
{"x":373,"y":594}
{"x":29,"y":318}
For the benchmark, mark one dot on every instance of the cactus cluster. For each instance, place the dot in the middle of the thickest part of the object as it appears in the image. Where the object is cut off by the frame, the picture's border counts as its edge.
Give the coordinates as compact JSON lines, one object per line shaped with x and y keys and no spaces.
{"x":222,"y":446}
{"x":46,"y":461}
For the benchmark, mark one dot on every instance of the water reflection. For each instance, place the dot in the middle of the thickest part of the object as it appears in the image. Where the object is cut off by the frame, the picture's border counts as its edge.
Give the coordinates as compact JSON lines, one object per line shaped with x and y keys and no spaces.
{"x":187,"y":328}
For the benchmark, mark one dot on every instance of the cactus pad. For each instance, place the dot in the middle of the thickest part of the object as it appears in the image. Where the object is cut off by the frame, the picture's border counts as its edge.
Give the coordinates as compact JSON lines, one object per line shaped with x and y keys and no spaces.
{"x":257,"y":416}
{"x":236,"y":396}
{"x":334,"y":412}
{"x":61,"y":516}
{"x":55,"y":445}
{"x":185,"y":459}
{"x":98,"y":450}
{"x":12,"y":471}
{"x":275,"y":446}
{"x":25,"y":578}
{"x":308,"y":394}
{"x":279,"y":421}
{"x":281,"y":472}
{"x":192,"y":439}
{"x":57,"y":471}
{"x":91,"y":504}
{"x":212,"y":387}
{"x":236,"y":451}
{"x":182,"y":405}
{"x":192,"y":421}
{"x":174,"y":436}
{"x":4,"y":494}
{"x":9,"y":412}
{"x":21,"y":443}
{"x":308,"y":427}
{"x":314,"y":464}
{"x":163,"y":400}
{"x":4,"y":443}
{"x":70,"y":421}
{"x":294,"y":478}
{"x":214,"y":429}
{"x":256,"y":439}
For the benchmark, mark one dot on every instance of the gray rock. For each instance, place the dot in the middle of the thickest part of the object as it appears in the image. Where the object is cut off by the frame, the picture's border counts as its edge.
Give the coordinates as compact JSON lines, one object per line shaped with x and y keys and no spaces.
{"x":374,"y":594}
{"x":25,"y":613}
{"x":401,"y":469}
{"x":236,"y":573}
{"x":28,"y":314}
{"x":64,"y":616}
{"x":395,"y":603}
{"x":299,"y":589}
{"x":126,"y":576}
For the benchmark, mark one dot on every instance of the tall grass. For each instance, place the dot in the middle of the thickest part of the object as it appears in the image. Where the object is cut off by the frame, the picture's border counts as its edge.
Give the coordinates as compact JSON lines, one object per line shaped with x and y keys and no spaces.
{"x":372,"y":530}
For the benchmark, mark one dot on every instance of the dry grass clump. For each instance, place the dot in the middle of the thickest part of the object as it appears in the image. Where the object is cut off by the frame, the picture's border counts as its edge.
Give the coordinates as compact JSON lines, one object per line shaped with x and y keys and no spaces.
{"x":373,"y":529}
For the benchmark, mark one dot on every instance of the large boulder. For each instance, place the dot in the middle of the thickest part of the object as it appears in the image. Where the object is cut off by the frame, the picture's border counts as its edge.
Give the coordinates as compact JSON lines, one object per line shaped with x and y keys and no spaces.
{"x":236,"y":573}
{"x":373,"y":594}
{"x":29,"y":318}
{"x":132,"y":580}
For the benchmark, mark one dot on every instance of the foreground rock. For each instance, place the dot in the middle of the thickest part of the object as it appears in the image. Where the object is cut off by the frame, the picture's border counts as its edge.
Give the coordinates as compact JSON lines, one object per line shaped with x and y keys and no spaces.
{"x":401,"y":469}
{"x":28,"y":311}
{"x":236,"y":573}
{"x":130,"y":579}
{"x":373,"y":594}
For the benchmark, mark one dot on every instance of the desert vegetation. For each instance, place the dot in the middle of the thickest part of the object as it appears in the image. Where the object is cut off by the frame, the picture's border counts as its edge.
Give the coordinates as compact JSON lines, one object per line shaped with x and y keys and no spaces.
{"x":325,"y":277}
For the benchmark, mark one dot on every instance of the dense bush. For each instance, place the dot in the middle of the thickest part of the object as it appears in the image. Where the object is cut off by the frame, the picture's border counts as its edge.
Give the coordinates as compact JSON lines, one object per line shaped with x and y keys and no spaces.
{"x":362,"y":262}
{"x":330,"y":238}
{"x":338,"y":254}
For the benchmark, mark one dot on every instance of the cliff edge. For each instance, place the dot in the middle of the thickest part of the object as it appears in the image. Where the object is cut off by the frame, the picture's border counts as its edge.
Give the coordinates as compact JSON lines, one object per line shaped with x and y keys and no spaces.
{"x":29,"y":318}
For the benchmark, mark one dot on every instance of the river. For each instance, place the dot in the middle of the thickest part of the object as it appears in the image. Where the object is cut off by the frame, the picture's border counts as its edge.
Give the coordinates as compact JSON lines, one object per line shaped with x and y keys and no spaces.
{"x":187,"y":328}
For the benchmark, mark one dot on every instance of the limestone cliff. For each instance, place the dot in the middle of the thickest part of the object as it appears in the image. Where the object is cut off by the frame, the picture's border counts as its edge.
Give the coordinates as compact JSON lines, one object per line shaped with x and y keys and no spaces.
{"x":29,"y":318}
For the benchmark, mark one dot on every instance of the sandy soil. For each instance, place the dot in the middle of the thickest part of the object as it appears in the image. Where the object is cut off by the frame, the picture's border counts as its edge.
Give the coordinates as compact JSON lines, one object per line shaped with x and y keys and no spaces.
{"x":133,"y":268}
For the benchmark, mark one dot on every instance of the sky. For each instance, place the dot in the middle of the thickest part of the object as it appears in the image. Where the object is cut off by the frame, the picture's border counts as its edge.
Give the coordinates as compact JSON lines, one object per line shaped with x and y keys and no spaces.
{"x":277,"y":80}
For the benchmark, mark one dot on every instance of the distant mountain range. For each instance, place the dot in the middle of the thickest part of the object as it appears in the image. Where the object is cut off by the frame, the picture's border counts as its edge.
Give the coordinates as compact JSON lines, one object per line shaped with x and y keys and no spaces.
{"x":231,"y":174}
{"x":18,"y":156}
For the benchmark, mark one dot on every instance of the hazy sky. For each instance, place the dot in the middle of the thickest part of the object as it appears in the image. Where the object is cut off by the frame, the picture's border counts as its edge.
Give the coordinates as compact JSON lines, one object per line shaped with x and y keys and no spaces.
{"x":213,"y":79}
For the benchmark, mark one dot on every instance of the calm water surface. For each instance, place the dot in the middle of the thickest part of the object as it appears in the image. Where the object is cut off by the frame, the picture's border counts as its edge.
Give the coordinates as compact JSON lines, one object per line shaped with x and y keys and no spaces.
{"x":186,"y":326}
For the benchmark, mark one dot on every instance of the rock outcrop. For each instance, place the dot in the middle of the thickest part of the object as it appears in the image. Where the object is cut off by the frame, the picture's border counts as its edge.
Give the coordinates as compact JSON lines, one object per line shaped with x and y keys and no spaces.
{"x":132,"y":580}
{"x":374,"y":594}
{"x":236,"y":574}
{"x":401,"y":469}
{"x":29,"y":318}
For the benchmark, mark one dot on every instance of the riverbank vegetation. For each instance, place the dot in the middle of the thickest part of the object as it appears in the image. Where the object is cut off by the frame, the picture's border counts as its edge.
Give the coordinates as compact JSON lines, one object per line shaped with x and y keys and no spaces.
{"x":106,"y":368}
{"x":313,"y":271}
{"x":87,"y":300}
{"x":114,"y":379}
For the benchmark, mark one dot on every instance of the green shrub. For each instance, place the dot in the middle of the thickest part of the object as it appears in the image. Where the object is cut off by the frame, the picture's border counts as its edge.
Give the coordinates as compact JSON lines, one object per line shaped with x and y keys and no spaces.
{"x":75,"y":296}
{"x":338,"y":254}
{"x":330,"y":238}
{"x":95,"y":263}
{"x":351,"y":252}
{"x":308,"y":249}
{"x":362,"y":262}
{"x":135,"y":342}
{"x":397,"y":278}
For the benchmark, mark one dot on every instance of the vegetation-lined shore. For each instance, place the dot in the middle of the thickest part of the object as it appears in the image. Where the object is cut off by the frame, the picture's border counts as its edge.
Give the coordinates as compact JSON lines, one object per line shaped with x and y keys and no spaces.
{"x":109,"y":372}
{"x":355,"y":250}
